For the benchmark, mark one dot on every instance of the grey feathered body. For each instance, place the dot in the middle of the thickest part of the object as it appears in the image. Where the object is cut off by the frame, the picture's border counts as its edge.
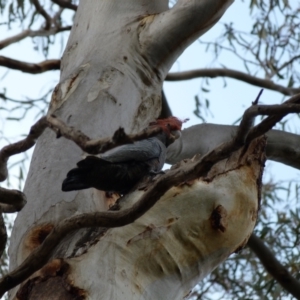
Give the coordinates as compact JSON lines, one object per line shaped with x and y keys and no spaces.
{"x":119,"y":169}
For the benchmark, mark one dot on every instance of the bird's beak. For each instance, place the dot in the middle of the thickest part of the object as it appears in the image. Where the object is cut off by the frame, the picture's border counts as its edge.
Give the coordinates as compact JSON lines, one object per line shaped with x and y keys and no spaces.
{"x":175,"y":134}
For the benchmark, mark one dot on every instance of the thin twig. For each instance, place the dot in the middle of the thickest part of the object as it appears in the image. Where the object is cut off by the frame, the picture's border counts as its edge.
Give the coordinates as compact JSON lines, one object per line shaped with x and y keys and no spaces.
{"x":42,"y":11}
{"x":31,"y":33}
{"x":274,"y":267}
{"x":287,"y":63}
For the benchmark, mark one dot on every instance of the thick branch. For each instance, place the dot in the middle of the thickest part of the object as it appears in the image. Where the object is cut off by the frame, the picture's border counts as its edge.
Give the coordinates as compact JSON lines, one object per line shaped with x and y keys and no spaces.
{"x":212,"y":73}
{"x":9,"y":208}
{"x":277,"y":112}
{"x":32,"y":68}
{"x":274,"y":267}
{"x":3,"y":234}
{"x":65,"y":4}
{"x":167,"y":34}
{"x":98,"y":146}
{"x":35,"y":131}
{"x":14,"y":198}
{"x":283,"y":147}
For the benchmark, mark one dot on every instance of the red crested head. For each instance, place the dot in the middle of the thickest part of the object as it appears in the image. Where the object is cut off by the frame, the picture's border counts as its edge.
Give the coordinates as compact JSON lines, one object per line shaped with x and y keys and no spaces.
{"x":169,"y":124}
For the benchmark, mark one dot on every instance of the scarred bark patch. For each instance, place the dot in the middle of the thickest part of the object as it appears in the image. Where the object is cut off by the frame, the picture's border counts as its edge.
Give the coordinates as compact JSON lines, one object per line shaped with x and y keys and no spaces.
{"x":52,"y":283}
{"x":37,"y":236}
{"x":218,"y":218}
{"x":66,"y":88}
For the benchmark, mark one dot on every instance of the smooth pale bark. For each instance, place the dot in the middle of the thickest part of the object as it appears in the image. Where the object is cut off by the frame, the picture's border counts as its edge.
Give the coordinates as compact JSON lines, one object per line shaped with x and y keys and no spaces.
{"x":282,"y":146}
{"x":117,"y":56}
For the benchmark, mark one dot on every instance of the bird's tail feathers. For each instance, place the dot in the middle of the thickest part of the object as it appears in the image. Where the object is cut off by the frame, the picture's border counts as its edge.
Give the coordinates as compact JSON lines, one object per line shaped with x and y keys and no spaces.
{"x":75,"y":181}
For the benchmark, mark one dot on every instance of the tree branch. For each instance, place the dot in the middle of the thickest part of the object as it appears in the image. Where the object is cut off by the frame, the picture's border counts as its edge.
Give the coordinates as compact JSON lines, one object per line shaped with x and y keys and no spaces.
{"x":282,"y":146}
{"x":14,"y":198}
{"x":274,"y":267}
{"x":168,"y":33}
{"x":3,"y":234}
{"x":33,"y":68}
{"x":287,"y":63}
{"x":276,"y":113}
{"x":269,"y":122}
{"x":191,"y":170}
{"x":165,"y":108}
{"x":41,"y":11}
{"x":31,"y":33}
{"x":212,"y":73}
{"x":35,"y":131}
{"x":98,"y":146}
{"x":14,"y":39}
{"x":65,"y":4}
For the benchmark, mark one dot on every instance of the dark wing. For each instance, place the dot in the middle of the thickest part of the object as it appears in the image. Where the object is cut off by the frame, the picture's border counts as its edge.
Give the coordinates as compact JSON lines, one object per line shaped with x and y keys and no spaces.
{"x":86,"y":174}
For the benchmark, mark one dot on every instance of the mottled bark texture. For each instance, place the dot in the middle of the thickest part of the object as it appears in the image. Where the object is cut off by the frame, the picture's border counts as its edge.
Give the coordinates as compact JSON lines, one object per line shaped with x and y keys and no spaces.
{"x":112,"y":70}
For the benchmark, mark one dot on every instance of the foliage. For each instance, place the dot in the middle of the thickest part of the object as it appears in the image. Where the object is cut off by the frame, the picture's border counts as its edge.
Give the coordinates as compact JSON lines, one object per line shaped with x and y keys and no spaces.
{"x":270,"y":48}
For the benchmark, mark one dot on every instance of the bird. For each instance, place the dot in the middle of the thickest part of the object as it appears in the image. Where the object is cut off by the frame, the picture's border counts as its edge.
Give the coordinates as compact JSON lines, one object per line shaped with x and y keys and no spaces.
{"x":121,"y":168}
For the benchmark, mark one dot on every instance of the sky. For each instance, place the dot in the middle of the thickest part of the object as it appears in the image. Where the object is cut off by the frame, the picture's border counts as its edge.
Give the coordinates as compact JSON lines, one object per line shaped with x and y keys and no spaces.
{"x":227,"y":103}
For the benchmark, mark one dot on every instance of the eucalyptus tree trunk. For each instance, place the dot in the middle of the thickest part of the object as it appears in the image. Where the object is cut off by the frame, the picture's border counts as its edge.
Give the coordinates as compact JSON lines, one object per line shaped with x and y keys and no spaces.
{"x":112,"y":70}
